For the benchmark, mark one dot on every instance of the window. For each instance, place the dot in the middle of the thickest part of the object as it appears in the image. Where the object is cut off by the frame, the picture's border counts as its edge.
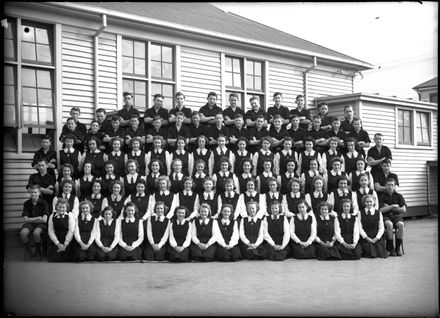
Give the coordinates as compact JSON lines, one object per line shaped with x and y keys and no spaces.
{"x":30,"y":73}
{"x":414,"y":127}
{"x":245,"y":77}
{"x":148,"y":67}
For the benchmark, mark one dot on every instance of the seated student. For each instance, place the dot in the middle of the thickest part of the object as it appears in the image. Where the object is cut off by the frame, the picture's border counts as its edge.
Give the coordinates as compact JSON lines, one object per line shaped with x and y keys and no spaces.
{"x":221,"y":151}
{"x":131,"y":178}
{"x":61,"y":225}
{"x":334,"y":174}
{"x":66,"y":193}
{"x":320,"y":136}
{"x":75,"y":112}
{"x":180,"y":236}
{"x":227,"y":249}
{"x":46,"y":151}
{"x":134,"y":129}
{"x":326,"y":121}
{"x":94,"y":132}
{"x":347,"y":233}
{"x":364,"y":189}
{"x":262,"y":155}
{"x":303,"y":114}
{"x":362,"y":139}
{"x":222,"y":175}
{"x":297,"y":134}
{"x":256,"y":133}
{"x":325,"y":234}
{"x":163,"y":194}
{"x":293,"y":197}
{"x":234,"y":109}
{"x":229,"y":197}
{"x":303,"y":232}
{"x":96,"y":198}
{"x":350,"y":158}
{"x":209,"y":111}
{"x":72,"y":129}
{"x":381,"y":177}
{"x":131,"y":234}
{"x":108,"y":178}
{"x":278,"y":110}
{"x":196,"y":129}
{"x":141,"y":199}
{"x":287,"y":176}
{"x":175,"y":130}
{"x":205,"y":232}
{"x":182,"y":154}
{"x":84,"y":233}
{"x":138,"y":155}
{"x":158,"y":152}
{"x":251,"y":115}
{"x":283,"y":156}
{"x":342,"y":192}
{"x":252,"y":234}
{"x":308,"y":177}
{"x":337,"y":132}
{"x":180,"y":107}
{"x":277,"y":132}
{"x":308,"y":154}
{"x":392,"y":204}
{"x":245,"y":175}
{"x":216,"y":130}
{"x":236,"y":132}
{"x":66,"y":174}
{"x":95,"y":156}
{"x":115,"y":131}
{"x":116,"y":200}
{"x":157,"y":129}
{"x":203,"y":153}
{"x":188,"y":198}
{"x":273,"y":195}
{"x":152,"y":176}
{"x":371,"y":229}
{"x":250,"y":195}
{"x":276,"y":233}
{"x":199,"y":176}
{"x":354,"y":176}
{"x":317,"y":194}
{"x":209,"y":195}
{"x":69,"y":155}
{"x":176,"y":176}
{"x":35,"y":213}
{"x":117,"y":156}
{"x":107,"y":236}
{"x":83,"y":186}
{"x":331,"y":153}
{"x":157,"y":233}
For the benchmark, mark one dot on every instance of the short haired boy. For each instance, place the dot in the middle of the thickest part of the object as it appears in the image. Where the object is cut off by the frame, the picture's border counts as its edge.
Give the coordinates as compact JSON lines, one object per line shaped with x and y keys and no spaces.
{"x":209,"y":111}
{"x":180,"y":107}
{"x":380,"y":178}
{"x":46,"y":152}
{"x":377,"y":154}
{"x":233,"y":109}
{"x":303,"y":114}
{"x":252,"y":114}
{"x":278,"y":109}
{"x":156,"y":110}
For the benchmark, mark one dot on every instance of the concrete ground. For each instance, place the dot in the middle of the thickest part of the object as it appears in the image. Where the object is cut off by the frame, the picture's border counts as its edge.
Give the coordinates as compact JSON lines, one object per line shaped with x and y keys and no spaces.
{"x":396,"y":286}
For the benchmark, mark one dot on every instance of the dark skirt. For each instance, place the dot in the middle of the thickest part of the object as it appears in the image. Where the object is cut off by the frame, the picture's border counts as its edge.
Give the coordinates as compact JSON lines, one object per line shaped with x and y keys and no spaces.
{"x":110,"y":256}
{"x":327,"y":253}
{"x":300,"y":252}
{"x":349,"y":254}
{"x":259,"y":253}
{"x":199,"y":255}
{"x":175,"y":256}
{"x":274,"y":255}
{"x":373,"y":250}
{"x":150,"y":255}
{"x":81,"y":256}
{"x":231,"y":255}
{"x":54,"y":256}
{"x":124,"y":255}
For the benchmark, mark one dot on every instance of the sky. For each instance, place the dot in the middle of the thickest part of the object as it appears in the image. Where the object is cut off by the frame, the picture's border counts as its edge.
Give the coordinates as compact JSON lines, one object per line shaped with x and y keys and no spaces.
{"x":398,"y":38}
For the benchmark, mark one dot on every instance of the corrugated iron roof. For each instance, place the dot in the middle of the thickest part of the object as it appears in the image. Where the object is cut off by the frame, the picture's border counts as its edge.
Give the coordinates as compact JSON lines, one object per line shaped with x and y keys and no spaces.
{"x":430,"y":83}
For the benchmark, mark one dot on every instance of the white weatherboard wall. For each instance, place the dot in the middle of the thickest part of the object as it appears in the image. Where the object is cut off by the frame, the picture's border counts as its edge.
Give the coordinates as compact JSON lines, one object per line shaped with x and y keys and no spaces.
{"x":286,"y":79}
{"x":321,"y":84}
{"x":107,"y":72}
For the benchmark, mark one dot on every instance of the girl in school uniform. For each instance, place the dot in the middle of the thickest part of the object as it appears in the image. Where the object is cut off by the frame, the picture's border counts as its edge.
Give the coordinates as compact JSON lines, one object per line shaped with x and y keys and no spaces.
{"x":202,"y":153}
{"x":317,"y":195}
{"x":354,"y":176}
{"x":141,"y":199}
{"x":222,"y":151}
{"x":291,"y":200}
{"x":252,"y":234}
{"x":331,"y":153}
{"x":276,"y":233}
{"x":164,"y":194}
{"x":199,"y":176}
{"x":343,"y":192}
{"x":351,"y":156}
{"x":371,"y":230}
{"x":205,"y":232}
{"x":308,"y":177}
{"x":227,"y":249}
{"x":157,"y":234}
{"x":153,"y":176}
{"x":61,"y":226}
{"x":273,"y":195}
{"x":250,"y":195}
{"x":287,"y":176}
{"x":303,"y":232}
{"x":107,"y":236}
{"x":137,"y":153}
{"x":180,"y":236}
{"x":182,"y":154}
{"x":176,"y":176}
{"x":224,"y":173}
{"x":325,"y":248}
{"x":84,"y":233}
{"x":96,"y":198}
{"x":364,"y":189}
{"x":347,"y":233}
{"x":158,"y":152}
{"x":230,"y":196}
{"x":188,"y":198}
{"x":116,"y":200}
{"x":117,"y":156}
{"x":262,"y":155}
{"x":66,"y":175}
{"x":108,"y":178}
{"x":245,"y":175}
{"x":306,"y":155}
{"x":96,"y":156}
{"x":132,"y":177}
{"x":209,"y":196}
{"x":69,"y":155}
{"x":241,"y":154}
{"x":131,"y":234}
{"x":334,"y":174}
{"x":85,"y":183}
{"x":287,"y":154}
{"x":265,"y":176}
{"x":66,"y":193}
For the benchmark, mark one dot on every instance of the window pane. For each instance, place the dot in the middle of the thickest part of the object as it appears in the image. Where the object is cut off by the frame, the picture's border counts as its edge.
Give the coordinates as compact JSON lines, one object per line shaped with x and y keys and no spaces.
{"x":155,"y":52}
{"x":249,"y":67}
{"x":9,"y":94}
{"x":237,"y":80}
{"x":228,"y":61}
{"x":156,"y":88}
{"x":401,"y":137}
{"x":8,"y":75}
{"x":43,"y":79}
{"x":139,"y":67}
{"x":127,"y":86}
{"x":42,"y":36}
{"x":257,"y":68}
{"x":236,"y":66}
{"x":425,"y":136}
{"x":140,"y":87}
{"x":127,"y":47}
{"x":28,"y":77}
{"x":27,"y":33}
{"x":139,"y":101}
{"x":249,"y":82}
{"x":258,"y":84}
{"x":406,"y":119}
{"x":44,"y":97}
{"x":9,"y":49}
{"x":29,"y":96}
{"x":168,"y":103}
{"x":28,"y":51}
{"x":156,"y":69}
{"x":167,"y":91}
{"x":9,"y":115}
{"x":167,"y":54}
{"x":43,"y":53}
{"x":139,"y":50}
{"x":400,"y":118}
{"x":30,"y":115}
{"x":228,"y":79}
{"x":127,"y":65}
{"x":167,"y":71}
{"x":46,"y":116}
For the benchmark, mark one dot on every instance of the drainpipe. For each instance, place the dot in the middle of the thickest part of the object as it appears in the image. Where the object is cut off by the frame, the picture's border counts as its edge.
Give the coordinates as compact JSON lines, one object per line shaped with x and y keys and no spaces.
{"x":315,"y":64}
{"x":96,"y":57}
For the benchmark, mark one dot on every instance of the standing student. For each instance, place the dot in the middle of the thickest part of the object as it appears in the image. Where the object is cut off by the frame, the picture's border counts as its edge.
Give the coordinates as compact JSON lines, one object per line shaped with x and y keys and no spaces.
{"x":180,"y":107}
{"x":355,"y":175}
{"x":277,"y":132}
{"x":201,"y":153}
{"x":175,"y":130}
{"x":236,"y":132}
{"x":35,"y":213}
{"x":159,"y":153}
{"x":45,"y":181}
{"x":326,"y":121}
{"x":46,"y":151}
{"x":227,"y":249}
{"x":61,"y":225}
{"x":250,"y":195}
{"x":128,"y":110}
{"x":325,"y":234}
{"x":131,"y":178}
{"x":362,"y":138}
{"x":134,"y":129}
{"x":303,"y":233}
{"x":209,"y":111}
{"x":303,"y":114}
{"x":216,"y":130}
{"x":256,"y":133}
{"x":262,"y":155}
{"x":141,"y":199}
{"x":232,"y":110}
{"x":251,"y":115}
{"x":137,"y":154}
{"x":115,"y":131}
{"x":107,"y":236}
{"x":283,"y":156}
{"x":278,"y":109}
{"x":75,"y":112}
{"x":103,"y":120}
{"x":320,"y":136}
{"x":377,"y":154}
{"x":347,"y":233}
{"x":95,"y":156}
{"x":180,"y":236}
{"x":392,"y":205}
{"x":205,"y":232}
{"x":164,"y":194}
{"x":371,"y":230}
{"x":157,"y":233}
{"x":350,"y":158}
{"x":196,"y":129}
{"x":297,"y":134}
{"x":188,"y":198}
{"x":276,"y":233}
{"x":131,"y":234}
{"x":245,"y":175}
{"x":84,"y":233}
{"x":118,"y":157}
{"x":84,"y":185}
{"x":347,"y":123}
{"x":72,"y":129}
{"x":308,"y":154}
{"x":156,"y":110}
{"x":108,"y":178}
{"x":115,"y":199}
{"x":69,"y":155}
{"x":292,"y":198}
{"x":176,"y":176}
{"x":337,"y":132}
{"x":183,"y":155}
{"x":380,"y":178}
{"x":252,"y":234}
{"x":96,"y":198}
{"x":94,"y":132}
{"x":157,"y":129}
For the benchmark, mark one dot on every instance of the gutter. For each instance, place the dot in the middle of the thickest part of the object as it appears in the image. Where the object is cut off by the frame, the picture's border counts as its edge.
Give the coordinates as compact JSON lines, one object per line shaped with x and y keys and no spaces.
{"x":305,"y":73}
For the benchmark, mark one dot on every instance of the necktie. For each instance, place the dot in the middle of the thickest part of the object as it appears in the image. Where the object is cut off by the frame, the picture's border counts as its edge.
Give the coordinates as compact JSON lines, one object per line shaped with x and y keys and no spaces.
{"x":242,"y":153}
{"x":291,"y":175}
{"x":273,"y":196}
{"x":132,"y":179}
{"x":222,"y":153}
{"x":228,"y":195}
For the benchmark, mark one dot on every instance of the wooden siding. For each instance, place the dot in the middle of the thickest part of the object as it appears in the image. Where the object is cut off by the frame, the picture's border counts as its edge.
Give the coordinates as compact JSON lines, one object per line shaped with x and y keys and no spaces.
{"x":200,"y":74}
{"x":107,"y":72}
{"x":327,"y":84}
{"x":285,"y":79}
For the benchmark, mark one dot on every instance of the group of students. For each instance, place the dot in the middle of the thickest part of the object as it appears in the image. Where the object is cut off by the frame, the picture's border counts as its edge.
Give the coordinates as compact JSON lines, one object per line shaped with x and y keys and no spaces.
{"x":189,"y":188}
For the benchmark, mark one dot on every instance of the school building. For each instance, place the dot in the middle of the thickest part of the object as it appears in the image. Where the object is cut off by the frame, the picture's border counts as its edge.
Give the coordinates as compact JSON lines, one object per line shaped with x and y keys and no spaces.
{"x":64,"y":54}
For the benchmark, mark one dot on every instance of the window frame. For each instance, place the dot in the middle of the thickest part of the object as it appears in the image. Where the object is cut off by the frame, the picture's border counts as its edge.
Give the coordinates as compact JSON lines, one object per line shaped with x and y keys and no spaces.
{"x":413,"y":128}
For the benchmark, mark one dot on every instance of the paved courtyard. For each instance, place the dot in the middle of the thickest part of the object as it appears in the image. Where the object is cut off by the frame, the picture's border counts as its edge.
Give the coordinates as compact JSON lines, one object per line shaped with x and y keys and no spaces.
{"x":397,"y":286}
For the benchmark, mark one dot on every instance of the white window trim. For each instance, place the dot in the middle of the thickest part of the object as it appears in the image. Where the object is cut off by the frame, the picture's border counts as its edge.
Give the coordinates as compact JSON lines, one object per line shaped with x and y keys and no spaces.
{"x":413,"y":128}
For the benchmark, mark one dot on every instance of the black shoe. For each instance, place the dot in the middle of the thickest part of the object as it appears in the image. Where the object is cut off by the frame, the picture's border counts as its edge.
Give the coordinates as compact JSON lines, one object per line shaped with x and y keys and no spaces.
{"x":398,"y":252}
{"x":393,"y":253}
